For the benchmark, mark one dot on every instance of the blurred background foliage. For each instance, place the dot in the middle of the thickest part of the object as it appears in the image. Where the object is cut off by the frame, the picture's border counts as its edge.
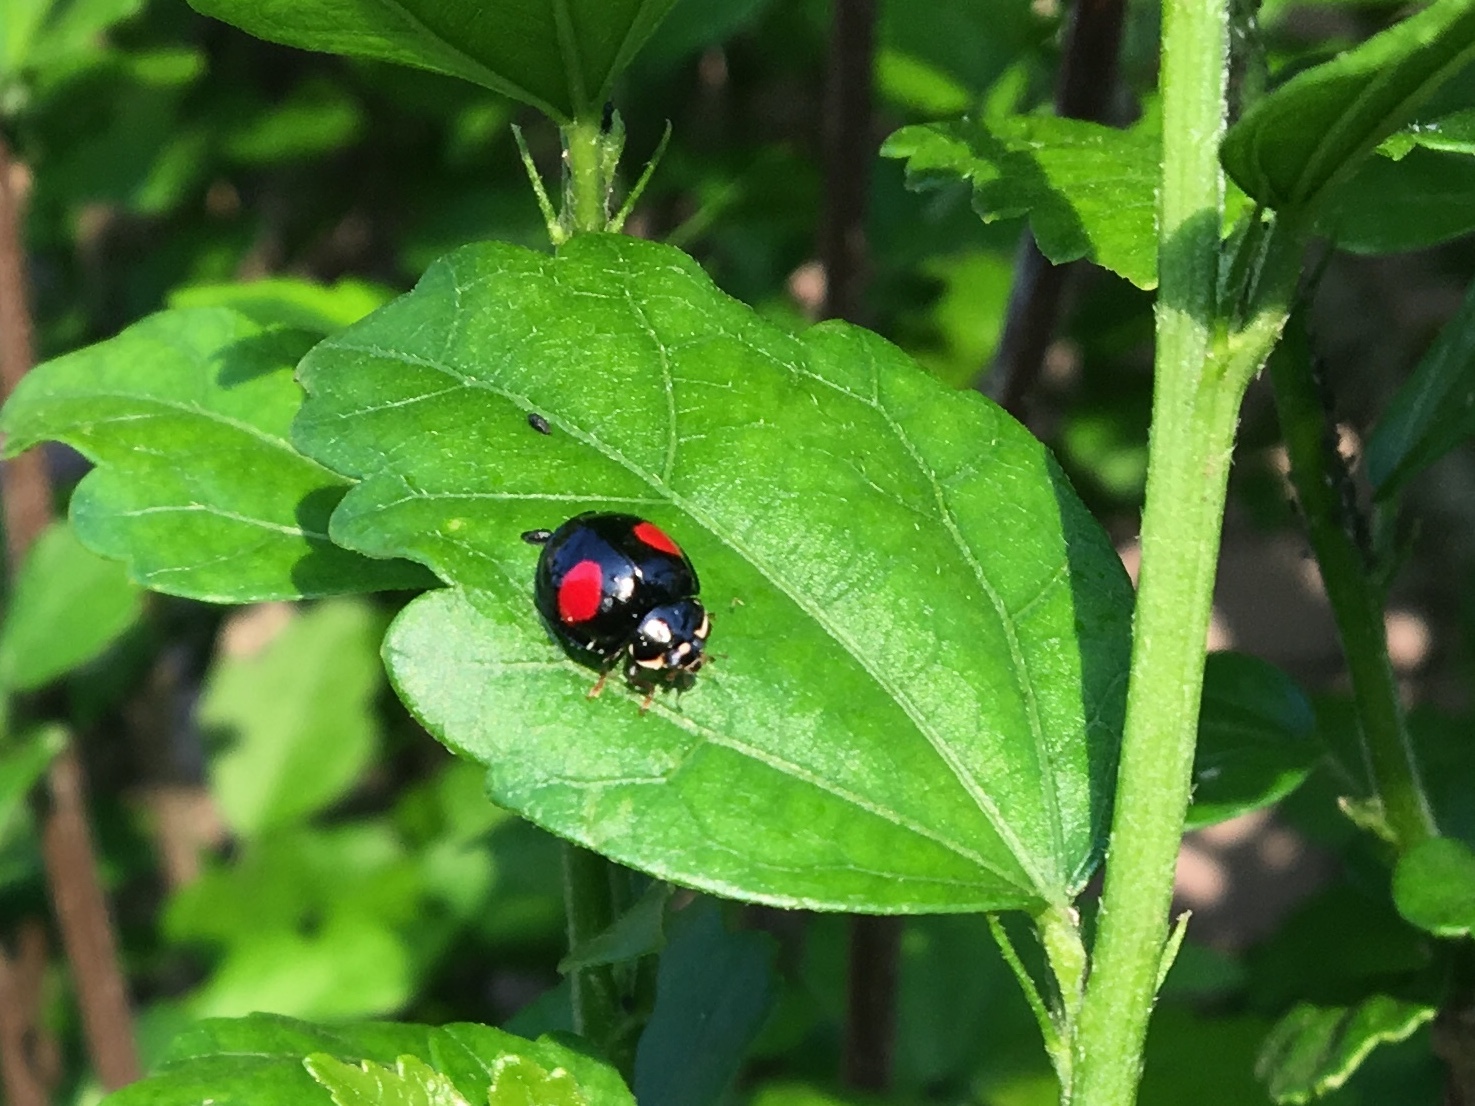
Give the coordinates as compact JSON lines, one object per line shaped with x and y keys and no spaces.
{"x":276,"y":832}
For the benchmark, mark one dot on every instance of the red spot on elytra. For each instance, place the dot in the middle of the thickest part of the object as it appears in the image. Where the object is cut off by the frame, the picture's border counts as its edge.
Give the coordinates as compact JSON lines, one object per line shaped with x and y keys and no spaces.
{"x":580,"y":592}
{"x":656,"y":538}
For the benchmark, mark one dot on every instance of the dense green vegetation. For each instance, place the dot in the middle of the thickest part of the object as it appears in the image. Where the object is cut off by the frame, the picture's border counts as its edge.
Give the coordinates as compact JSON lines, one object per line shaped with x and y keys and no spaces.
{"x":300,"y":802}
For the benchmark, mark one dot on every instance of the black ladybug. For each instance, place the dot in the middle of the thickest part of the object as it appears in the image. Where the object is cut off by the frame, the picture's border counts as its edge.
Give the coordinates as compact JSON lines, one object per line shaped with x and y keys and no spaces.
{"x":615,"y":586}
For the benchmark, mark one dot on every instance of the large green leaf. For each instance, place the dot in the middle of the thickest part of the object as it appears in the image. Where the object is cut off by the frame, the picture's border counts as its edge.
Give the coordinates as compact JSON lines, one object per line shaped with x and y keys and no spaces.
{"x":69,"y":605}
{"x":560,"y":56}
{"x":1432,"y":412}
{"x":1255,"y":739}
{"x":1434,"y":886}
{"x":198,"y":488}
{"x":921,"y":634}
{"x":1315,"y":1049}
{"x":295,"y":723}
{"x":1319,"y":126}
{"x":1089,"y":191}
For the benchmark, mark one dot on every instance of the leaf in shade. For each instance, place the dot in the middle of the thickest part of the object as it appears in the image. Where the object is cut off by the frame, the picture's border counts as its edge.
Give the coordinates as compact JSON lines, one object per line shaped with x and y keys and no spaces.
{"x":1432,"y":412}
{"x":713,"y":993}
{"x":1434,"y":887}
{"x":1396,"y":206}
{"x":1317,"y":128}
{"x":559,"y":56}
{"x":1315,"y":1049}
{"x":69,"y":605}
{"x":923,"y":634}
{"x":639,"y":931}
{"x":1088,"y":191}
{"x":197,"y":485}
{"x":1255,"y":739}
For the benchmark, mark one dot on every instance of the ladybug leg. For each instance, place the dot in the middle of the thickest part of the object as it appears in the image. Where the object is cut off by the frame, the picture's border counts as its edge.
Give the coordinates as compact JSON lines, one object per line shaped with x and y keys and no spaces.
{"x":598,"y":687}
{"x":650,"y":695}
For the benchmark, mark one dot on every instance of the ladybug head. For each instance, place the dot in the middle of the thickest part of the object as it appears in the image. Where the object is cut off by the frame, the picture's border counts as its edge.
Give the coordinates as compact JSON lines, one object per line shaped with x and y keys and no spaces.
{"x":671,"y":638}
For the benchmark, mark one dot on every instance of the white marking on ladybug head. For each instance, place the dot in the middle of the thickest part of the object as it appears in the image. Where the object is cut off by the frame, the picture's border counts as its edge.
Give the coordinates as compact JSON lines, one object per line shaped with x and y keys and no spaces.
{"x":657,"y":629}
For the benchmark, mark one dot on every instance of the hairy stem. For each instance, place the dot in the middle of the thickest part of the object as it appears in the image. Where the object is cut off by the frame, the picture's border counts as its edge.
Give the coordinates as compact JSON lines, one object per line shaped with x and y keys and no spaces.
{"x":1195,"y":409}
{"x":1318,"y":476}
{"x":586,"y":197}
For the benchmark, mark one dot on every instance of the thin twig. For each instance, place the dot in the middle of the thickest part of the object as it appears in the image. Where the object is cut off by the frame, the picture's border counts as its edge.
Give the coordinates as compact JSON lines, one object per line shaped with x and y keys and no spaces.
{"x":1083,"y":91}
{"x":71,"y":864}
{"x":23,"y":1042}
{"x":850,"y":147}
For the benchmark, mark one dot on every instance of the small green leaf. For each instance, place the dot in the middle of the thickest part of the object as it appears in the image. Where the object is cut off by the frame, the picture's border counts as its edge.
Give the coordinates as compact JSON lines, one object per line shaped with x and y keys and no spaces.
{"x":923,"y":632}
{"x":713,"y":993}
{"x":69,"y":605}
{"x":1255,"y":739}
{"x":37,"y":34}
{"x":257,"y":1061}
{"x":559,"y":56}
{"x":1315,"y":1049}
{"x":1317,"y":128}
{"x":197,"y":487}
{"x":1453,"y":133}
{"x":1434,"y":886}
{"x":504,"y":1070}
{"x":295,"y":722}
{"x":23,"y":761}
{"x":639,"y":931}
{"x":1089,"y":191}
{"x":1432,"y":412}
{"x":410,"y":1082}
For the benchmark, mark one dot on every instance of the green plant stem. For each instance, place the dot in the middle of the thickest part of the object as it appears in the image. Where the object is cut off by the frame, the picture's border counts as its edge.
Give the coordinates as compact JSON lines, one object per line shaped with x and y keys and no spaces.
{"x":588,"y":899}
{"x":1355,"y":600}
{"x":586,"y":198}
{"x":1195,"y":409}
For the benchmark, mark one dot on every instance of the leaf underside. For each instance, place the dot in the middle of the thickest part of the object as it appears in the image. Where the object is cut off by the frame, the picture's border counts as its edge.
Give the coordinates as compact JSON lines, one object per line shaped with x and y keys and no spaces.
{"x":921,"y":635}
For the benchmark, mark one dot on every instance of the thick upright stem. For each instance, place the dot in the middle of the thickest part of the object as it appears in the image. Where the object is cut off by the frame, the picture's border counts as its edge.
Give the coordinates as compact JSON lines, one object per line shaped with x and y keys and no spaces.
{"x":1356,"y":605}
{"x":1195,"y":409}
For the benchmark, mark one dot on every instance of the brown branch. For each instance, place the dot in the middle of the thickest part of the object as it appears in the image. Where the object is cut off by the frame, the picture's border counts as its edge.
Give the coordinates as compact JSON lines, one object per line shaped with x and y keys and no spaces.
{"x":28,"y":1056}
{"x":71,"y":865}
{"x":870,"y":1013}
{"x":849,"y":147}
{"x":1083,"y":91}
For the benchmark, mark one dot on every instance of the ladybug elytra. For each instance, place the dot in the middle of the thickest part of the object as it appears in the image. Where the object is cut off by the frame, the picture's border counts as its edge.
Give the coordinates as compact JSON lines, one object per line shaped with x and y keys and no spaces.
{"x":613,"y":586}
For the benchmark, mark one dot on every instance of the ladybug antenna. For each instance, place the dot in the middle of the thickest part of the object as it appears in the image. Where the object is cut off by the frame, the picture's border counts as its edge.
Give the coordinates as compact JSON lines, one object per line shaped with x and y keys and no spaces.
{"x":536,"y":537}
